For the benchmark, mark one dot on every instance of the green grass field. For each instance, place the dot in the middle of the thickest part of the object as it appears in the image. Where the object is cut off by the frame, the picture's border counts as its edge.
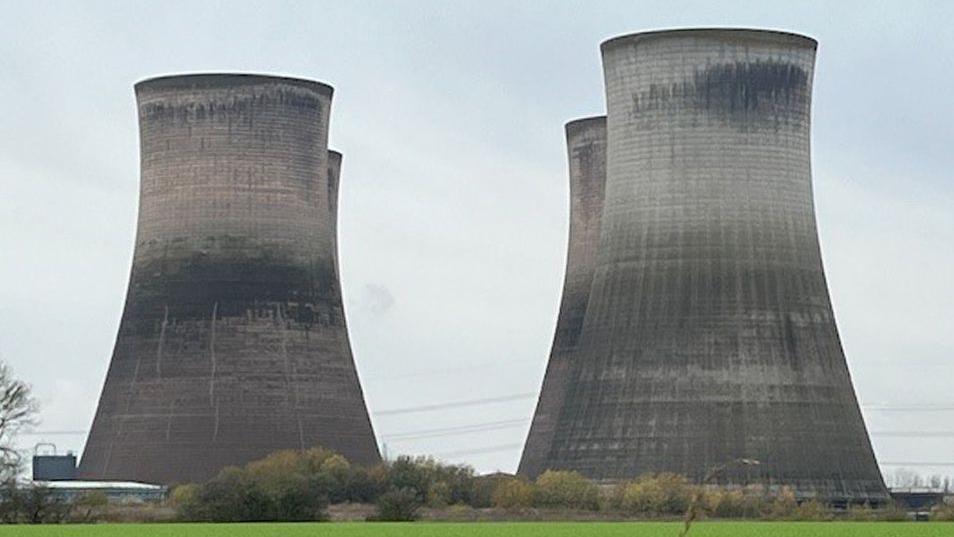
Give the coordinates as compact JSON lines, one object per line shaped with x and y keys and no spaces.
{"x":520,"y":529}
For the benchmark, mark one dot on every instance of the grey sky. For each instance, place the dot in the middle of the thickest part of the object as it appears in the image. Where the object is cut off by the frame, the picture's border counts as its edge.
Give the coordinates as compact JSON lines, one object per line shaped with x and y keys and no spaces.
{"x":454,"y":191}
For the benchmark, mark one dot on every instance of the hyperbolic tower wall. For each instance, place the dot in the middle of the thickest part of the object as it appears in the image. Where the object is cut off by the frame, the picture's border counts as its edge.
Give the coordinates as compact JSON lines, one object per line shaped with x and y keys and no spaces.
{"x":586,"y":155}
{"x":233,"y":341}
{"x":709,"y":334}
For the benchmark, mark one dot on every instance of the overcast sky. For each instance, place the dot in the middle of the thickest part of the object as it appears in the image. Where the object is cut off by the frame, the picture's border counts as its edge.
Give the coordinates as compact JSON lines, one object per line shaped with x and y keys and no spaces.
{"x":454,"y":190}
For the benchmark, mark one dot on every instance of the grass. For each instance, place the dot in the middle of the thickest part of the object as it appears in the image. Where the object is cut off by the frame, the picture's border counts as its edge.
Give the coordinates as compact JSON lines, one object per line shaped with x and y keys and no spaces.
{"x":519,"y":529}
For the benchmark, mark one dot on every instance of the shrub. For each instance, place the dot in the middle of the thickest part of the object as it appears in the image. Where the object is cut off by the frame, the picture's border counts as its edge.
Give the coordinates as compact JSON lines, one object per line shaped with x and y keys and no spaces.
{"x":557,"y":488}
{"x":438,"y":494}
{"x":433,"y":482}
{"x":411,"y":474}
{"x":31,"y":504}
{"x":721,"y":503}
{"x":87,"y":506}
{"x":183,"y":494}
{"x":888,"y":513}
{"x":813,"y":510}
{"x":301,"y":498}
{"x":661,"y":494}
{"x":273,"y":489}
{"x":9,"y":502}
{"x":783,"y":506}
{"x":220,"y":499}
{"x":943,"y":513}
{"x":459,"y":483}
{"x":513,"y":493}
{"x":483,"y":489}
{"x":891,"y":513}
{"x":296,"y":485}
{"x":313,"y":458}
{"x":335,"y":472}
{"x":398,"y":505}
{"x":363,"y":485}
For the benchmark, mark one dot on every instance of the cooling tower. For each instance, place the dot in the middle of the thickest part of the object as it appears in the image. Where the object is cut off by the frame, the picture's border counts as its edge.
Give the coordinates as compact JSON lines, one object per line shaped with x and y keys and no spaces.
{"x":708,"y":334}
{"x":233,"y":341}
{"x":586,"y":152}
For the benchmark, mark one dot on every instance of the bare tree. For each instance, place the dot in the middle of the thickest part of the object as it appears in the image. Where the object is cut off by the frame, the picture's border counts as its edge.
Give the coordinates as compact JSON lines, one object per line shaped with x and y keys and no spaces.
{"x":905,"y":478}
{"x":17,"y":410}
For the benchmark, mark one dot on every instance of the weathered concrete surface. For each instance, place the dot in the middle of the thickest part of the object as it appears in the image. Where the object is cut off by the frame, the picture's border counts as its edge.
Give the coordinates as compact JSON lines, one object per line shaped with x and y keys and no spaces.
{"x":334,"y":175}
{"x":709,"y":333}
{"x":233,"y":340}
{"x":586,"y":152}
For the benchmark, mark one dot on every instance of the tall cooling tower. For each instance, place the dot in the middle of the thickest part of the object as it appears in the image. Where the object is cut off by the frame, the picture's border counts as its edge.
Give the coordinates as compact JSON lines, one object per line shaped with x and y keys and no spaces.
{"x":586,"y":152}
{"x":233,"y":341}
{"x":708,"y":334}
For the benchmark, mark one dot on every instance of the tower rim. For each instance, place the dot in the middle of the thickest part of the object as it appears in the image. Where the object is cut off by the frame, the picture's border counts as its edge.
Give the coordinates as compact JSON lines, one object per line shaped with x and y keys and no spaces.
{"x":582,"y":122}
{"x":226,"y":79}
{"x":762,"y":34}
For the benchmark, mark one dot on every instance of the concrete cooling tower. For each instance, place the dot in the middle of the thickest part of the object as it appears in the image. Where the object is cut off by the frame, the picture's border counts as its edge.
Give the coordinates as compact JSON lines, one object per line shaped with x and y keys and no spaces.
{"x":586,"y":152}
{"x":708,"y":334}
{"x":233,"y":341}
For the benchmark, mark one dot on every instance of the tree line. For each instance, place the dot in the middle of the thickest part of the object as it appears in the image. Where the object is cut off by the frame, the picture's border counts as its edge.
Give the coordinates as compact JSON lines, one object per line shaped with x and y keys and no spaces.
{"x":300,"y":485}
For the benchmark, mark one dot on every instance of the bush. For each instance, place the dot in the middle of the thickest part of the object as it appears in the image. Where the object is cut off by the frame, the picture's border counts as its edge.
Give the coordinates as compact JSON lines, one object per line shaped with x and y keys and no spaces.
{"x":784,"y":506}
{"x":274,"y":489}
{"x":943,"y":513}
{"x":456,"y":482}
{"x":566,"y":489}
{"x":406,"y":473}
{"x":362,"y":486}
{"x":513,"y":493}
{"x":184,"y":494}
{"x":484,"y":487}
{"x":813,"y":510}
{"x":438,"y":494}
{"x":31,"y":505}
{"x":721,"y":503}
{"x":434,"y":483}
{"x":293,"y":485}
{"x":661,"y":494}
{"x":88,"y":506}
{"x":888,"y":513}
{"x":398,"y":505}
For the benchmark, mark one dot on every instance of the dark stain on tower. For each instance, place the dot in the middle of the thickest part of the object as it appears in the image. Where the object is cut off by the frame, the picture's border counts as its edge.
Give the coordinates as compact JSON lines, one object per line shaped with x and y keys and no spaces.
{"x":708,"y":332}
{"x":233,"y":341}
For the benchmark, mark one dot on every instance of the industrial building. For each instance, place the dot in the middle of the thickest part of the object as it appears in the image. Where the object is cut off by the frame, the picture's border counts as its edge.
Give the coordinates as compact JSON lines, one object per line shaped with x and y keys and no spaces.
{"x":707,"y":345}
{"x":233,"y":341}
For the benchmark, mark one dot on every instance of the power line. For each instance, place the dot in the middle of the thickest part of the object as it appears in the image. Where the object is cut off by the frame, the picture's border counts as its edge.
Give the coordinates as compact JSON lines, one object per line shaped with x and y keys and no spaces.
{"x":915,"y":434}
{"x":505,"y":424}
{"x":455,"y":404}
{"x":50,"y":433}
{"x":951,"y":464}
{"x":458,"y":430}
{"x":909,"y":408}
{"x":490,"y":366}
{"x":488,"y":449}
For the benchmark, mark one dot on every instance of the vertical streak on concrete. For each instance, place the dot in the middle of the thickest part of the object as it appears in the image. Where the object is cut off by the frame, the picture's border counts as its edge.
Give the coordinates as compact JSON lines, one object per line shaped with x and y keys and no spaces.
{"x":172,"y":412}
{"x":215,"y":311}
{"x":215,"y":426}
{"x":334,"y":177}
{"x":162,"y":337}
{"x":290,"y":389}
